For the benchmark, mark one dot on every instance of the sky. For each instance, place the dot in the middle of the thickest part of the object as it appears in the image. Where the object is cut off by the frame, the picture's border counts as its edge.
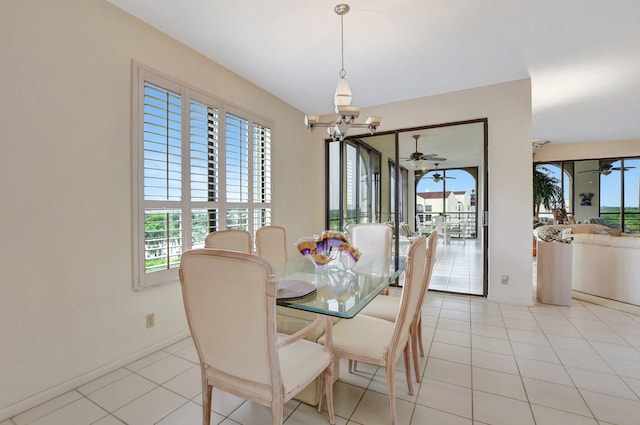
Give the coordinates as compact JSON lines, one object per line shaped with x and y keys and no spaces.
{"x":463,"y":181}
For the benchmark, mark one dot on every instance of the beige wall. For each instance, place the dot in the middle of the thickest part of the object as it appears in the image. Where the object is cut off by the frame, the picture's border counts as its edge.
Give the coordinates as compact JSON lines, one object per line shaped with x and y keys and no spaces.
{"x":67,"y":311}
{"x":612,"y":149}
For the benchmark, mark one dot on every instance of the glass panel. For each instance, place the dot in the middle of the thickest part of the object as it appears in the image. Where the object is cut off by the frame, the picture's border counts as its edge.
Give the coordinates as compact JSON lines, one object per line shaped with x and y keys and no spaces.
{"x":631,"y":195}
{"x":376,"y":201}
{"x":403,"y":194}
{"x":586,"y":191}
{"x":261,"y":217}
{"x":553,"y":171}
{"x":567,"y":185}
{"x":203,"y":222}
{"x":334,"y":186}
{"x":238,"y":218}
{"x":430,"y":198}
{"x":162,"y":239}
{"x":363,"y":187}
{"x":610,"y":189}
{"x":392,"y":191}
{"x":351,"y":181}
{"x":459,"y":193}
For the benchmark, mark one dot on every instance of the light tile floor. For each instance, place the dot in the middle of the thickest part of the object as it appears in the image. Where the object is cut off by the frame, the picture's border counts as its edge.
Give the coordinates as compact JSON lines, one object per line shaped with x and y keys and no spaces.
{"x":458,"y":266}
{"x":486,"y":363}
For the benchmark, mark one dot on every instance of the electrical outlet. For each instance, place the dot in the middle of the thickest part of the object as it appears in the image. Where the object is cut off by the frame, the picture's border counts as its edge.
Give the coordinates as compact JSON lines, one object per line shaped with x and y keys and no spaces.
{"x":504,"y":279}
{"x":151,"y":320}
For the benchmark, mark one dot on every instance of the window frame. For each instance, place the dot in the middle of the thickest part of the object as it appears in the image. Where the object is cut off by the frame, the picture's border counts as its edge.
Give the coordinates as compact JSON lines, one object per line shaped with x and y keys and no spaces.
{"x":142,"y":74}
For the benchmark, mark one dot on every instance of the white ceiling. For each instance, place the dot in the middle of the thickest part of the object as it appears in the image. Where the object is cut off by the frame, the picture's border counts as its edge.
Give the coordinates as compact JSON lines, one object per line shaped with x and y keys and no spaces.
{"x":583,"y":56}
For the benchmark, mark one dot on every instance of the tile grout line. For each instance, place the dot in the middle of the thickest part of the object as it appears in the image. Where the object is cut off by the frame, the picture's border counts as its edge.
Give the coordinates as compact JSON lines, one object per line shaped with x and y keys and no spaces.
{"x":562,"y":363}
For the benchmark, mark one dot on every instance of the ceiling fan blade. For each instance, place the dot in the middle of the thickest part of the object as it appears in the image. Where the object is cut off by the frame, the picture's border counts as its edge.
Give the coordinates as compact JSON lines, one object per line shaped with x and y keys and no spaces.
{"x":432,"y":157}
{"x":620,"y":168}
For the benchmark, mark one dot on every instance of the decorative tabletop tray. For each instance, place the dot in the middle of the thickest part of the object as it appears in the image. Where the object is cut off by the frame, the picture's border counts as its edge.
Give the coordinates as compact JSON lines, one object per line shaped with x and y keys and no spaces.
{"x":294,"y":289}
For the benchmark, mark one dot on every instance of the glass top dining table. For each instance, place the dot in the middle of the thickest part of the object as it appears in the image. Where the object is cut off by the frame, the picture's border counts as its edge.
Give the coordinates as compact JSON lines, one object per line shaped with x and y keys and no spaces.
{"x":341,"y":290}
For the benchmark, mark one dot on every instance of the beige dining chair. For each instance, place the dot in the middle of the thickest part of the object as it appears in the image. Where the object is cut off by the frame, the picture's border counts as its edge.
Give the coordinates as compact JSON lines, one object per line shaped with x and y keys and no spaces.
{"x":271,"y":244}
{"x":230,"y":299}
{"x":386,"y":307}
{"x":372,"y":238}
{"x":381,"y":342}
{"x":373,"y":241}
{"x":234,"y":240}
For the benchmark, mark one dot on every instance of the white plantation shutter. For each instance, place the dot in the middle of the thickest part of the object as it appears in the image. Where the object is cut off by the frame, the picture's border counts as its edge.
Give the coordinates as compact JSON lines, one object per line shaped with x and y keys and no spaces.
{"x":204,"y":170}
{"x":198,"y":169}
{"x":261,"y":176}
{"x":162,"y":153}
{"x":237,"y":158}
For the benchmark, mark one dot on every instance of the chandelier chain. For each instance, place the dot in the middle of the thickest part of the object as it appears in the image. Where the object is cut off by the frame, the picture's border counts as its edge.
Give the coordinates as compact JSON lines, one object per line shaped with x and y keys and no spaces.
{"x":343,"y":73}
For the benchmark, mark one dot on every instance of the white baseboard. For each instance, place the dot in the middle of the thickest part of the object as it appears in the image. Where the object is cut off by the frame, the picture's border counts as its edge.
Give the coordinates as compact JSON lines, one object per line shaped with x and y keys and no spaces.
{"x":605,"y":302}
{"x":48,"y":394}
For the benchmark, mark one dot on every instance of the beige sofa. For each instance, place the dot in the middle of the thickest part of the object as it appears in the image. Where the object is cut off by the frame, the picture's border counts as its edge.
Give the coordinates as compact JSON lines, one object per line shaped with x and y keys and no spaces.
{"x":604,"y":265}
{"x":585,"y":228}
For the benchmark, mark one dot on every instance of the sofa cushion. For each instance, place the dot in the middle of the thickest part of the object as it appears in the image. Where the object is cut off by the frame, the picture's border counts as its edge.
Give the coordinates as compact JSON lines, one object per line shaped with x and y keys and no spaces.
{"x":575,"y":228}
{"x":608,"y":232}
{"x":607,"y":240}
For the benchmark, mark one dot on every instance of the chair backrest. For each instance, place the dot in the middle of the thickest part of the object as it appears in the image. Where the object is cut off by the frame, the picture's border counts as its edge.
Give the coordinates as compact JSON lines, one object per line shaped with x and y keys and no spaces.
{"x":372,"y":238}
{"x":222,"y":287}
{"x":234,"y":240}
{"x":271,"y":244}
{"x":415,"y":274}
{"x":432,"y":247}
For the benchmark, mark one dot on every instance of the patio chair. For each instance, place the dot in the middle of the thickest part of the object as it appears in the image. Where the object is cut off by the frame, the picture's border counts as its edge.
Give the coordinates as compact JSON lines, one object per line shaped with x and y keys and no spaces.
{"x":458,"y":231}
{"x":440,"y":227}
{"x":230,"y":299}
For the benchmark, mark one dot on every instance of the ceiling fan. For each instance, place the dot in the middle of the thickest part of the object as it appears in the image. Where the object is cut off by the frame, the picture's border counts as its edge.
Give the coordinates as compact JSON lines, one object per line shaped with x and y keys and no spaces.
{"x":419,"y":156}
{"x":437,"y":177}
{"x":606,"y":169}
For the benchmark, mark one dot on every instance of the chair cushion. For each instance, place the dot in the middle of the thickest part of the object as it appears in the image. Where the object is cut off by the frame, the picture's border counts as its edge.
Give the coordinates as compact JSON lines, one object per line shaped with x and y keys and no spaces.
{"x":300,"y":363}
{"x":355,"y":336}
{"x":383,"y":307}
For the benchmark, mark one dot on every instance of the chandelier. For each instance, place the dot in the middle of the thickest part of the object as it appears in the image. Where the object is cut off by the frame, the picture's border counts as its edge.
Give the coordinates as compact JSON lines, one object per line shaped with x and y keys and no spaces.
{"x":347,"y":114}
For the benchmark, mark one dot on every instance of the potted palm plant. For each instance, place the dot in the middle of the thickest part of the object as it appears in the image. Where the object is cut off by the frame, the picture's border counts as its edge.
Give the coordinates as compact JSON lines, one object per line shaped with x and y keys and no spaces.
{"x":546,"y":190}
